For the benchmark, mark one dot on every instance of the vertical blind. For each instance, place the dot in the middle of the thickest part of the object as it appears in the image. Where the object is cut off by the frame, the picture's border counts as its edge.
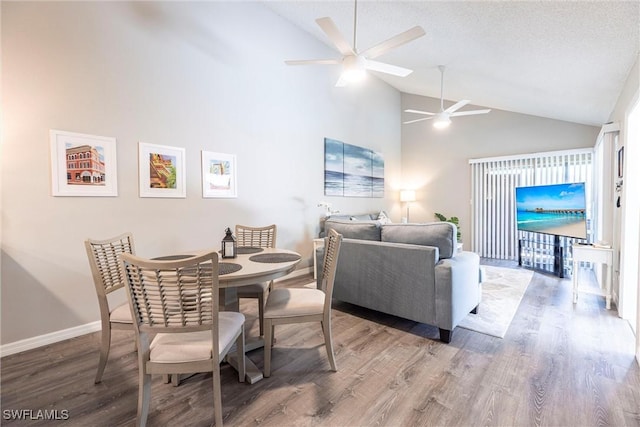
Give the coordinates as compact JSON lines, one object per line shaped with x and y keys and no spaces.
{"x":493,"y":183}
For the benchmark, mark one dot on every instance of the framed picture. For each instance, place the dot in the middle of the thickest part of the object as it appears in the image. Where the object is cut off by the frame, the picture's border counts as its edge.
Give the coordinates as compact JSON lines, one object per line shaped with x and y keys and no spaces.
{"x":352,"y":171}
{"x":161,"y":171}
{"x":219,"y":175}
{"x":621,"y":162}
{"x":83,"y":165}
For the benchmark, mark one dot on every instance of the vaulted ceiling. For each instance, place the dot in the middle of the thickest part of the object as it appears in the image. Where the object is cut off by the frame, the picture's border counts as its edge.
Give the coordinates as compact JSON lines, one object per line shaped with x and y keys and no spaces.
{"x":566,"y":60}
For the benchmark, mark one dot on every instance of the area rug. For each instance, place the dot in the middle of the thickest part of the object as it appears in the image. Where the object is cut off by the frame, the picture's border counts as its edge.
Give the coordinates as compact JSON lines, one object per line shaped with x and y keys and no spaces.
{"x":502,"y":290}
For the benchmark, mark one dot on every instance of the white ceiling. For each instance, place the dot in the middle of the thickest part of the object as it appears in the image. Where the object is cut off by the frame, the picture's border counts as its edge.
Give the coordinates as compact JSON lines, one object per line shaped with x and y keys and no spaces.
{"x":566,"y":60}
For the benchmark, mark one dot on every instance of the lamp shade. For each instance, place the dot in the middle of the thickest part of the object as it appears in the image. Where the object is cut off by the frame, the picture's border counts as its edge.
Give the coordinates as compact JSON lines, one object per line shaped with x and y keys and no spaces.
{"x":407,"y":196}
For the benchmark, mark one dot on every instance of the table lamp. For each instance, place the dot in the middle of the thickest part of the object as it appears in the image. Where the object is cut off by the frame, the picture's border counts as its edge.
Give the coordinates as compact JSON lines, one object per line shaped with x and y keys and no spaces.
{"x":407,"y":196}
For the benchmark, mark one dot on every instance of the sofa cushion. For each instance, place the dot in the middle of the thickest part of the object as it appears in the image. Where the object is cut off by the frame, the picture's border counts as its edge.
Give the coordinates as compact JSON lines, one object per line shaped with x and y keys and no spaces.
{"x":362,"y":230}
{"x":439,"y":234}
{"x":340,"y":217}
{"x":363,"y":217}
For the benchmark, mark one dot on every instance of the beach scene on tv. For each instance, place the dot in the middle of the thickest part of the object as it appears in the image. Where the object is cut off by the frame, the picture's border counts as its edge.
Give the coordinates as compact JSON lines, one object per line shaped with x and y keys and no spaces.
{"x":558,"y":209}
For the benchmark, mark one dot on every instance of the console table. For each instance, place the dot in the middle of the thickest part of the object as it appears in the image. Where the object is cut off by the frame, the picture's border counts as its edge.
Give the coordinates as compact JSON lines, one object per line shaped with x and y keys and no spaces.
{"x":588,"y":253}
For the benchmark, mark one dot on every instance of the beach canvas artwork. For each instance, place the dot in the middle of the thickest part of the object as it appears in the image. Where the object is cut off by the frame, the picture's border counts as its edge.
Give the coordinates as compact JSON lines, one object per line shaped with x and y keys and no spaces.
{"x":558,"y":209}
{"x":352,"y":171}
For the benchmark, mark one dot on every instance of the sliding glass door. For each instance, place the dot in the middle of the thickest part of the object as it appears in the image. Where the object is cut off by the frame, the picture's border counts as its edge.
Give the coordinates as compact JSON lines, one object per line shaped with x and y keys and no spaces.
{"x":494,"y":226}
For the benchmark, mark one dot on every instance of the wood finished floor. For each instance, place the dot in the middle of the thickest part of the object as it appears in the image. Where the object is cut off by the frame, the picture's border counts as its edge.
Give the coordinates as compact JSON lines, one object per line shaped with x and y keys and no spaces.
{"x":558,"y":365}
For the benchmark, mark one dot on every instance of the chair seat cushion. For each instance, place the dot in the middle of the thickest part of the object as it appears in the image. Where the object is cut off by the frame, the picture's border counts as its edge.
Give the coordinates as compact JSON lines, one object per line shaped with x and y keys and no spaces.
{"x":121,"y":314}
{"x":194,"y":346}
{"x":292,"y":302}
{"x":256,"y":288}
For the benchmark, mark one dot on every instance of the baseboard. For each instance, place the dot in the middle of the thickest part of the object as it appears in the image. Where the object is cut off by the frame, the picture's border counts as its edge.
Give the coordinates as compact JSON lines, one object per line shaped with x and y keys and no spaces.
{"x":65,"y":334}
{"x":46,"y":339}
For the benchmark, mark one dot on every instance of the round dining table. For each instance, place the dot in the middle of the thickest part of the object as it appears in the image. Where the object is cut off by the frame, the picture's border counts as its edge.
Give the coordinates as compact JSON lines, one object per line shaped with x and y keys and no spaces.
{"x":251,"y":265}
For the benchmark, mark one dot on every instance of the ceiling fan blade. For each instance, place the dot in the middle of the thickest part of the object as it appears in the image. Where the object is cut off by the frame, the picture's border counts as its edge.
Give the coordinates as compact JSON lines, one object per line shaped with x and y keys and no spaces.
{"x":393,"y":42}
{"x":335,"y":36}
{"x":457,"y":106}
{"x":417,"y":120}
{"x":313,"y":62}
{"x":426,"y":113}
{"x":470,"y":113}
{"x":387,"y":68}
{"x":342,"y":82}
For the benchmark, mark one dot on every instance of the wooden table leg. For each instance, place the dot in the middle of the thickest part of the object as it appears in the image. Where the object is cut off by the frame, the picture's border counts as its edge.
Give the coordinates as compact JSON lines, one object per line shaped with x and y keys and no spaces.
{"x":229,"y":302}
{"x":253,"y":374}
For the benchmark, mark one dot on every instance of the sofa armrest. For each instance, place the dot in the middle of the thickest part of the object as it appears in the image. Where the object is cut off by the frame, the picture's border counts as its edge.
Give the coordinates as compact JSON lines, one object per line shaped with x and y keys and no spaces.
{"x":458,"y":289}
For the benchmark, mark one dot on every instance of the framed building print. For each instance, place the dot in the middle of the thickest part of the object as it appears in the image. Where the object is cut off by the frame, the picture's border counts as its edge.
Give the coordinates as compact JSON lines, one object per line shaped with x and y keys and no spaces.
{"x":219,"y":175}
{"x":83,"y":165}
{"x":161,"y":171}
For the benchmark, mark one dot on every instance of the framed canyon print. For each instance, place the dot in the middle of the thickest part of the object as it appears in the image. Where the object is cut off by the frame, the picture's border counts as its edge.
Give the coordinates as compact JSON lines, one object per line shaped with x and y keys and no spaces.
{"x":161,"y":171}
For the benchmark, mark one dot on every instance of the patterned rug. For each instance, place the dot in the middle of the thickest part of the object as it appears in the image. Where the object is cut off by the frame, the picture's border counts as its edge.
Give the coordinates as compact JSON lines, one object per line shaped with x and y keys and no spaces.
{"x":502,"y":290}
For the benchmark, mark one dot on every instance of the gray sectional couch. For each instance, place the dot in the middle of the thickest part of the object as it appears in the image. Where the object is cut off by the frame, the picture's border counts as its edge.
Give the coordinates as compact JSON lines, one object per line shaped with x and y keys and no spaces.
{"x":413,"y":271}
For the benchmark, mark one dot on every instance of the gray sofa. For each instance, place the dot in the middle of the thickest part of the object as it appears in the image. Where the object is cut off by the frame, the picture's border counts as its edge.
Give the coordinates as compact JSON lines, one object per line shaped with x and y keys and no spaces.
{"x":413,"y":271}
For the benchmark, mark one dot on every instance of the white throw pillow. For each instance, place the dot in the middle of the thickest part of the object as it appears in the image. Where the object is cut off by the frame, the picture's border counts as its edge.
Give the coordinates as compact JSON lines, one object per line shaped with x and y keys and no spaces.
{"x":383,"y":218}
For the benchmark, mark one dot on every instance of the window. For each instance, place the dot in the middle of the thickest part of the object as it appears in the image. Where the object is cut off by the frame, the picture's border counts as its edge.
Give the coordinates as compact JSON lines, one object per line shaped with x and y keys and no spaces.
{"x":493,"y":181}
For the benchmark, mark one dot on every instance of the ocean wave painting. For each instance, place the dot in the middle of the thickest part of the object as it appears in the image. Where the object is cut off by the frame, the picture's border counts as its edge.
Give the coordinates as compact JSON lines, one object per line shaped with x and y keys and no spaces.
{"x":352,"y":171}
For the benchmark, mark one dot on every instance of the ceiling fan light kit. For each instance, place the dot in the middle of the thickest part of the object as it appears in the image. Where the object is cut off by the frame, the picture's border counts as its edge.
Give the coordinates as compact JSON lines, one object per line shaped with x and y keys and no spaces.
{"x":443,"y":118}
{"x":441,"y":121}
{"x":354,"y":68}
{"x":355,"y":64}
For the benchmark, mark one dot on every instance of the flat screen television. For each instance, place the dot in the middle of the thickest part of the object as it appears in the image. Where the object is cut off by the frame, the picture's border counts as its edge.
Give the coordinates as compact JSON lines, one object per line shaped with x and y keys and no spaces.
{"x":558,"y":209}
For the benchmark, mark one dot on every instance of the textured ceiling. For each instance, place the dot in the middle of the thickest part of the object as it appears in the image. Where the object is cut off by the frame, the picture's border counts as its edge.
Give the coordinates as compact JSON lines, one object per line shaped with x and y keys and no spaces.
{"x":566,"y":60}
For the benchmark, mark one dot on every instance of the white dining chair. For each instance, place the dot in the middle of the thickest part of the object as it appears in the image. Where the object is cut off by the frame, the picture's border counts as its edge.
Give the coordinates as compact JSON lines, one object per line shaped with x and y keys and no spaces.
{"x":108,"y":277}
{"x":256,"y":237}
{"x":302,"y":305}
{"x":177,"y":300}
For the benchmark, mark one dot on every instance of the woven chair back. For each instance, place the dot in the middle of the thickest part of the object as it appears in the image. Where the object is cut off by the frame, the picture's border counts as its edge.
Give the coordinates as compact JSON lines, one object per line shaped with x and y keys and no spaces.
{"x":257,"y":237}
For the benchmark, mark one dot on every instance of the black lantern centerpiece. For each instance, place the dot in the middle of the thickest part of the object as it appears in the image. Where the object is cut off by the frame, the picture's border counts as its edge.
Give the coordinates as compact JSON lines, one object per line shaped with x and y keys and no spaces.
{"x":229,"y":245}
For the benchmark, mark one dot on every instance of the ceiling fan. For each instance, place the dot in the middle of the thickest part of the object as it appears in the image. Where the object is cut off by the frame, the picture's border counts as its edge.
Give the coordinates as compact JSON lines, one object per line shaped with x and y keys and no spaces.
{"x":443,"y":118}
{"x":354,"y":63}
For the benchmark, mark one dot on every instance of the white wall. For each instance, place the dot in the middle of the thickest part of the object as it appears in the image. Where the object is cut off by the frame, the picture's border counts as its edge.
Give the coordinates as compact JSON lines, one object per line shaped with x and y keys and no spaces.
{"x":435,"y":162}
{"x":200,"y":75}
{"x":630,"y":215}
